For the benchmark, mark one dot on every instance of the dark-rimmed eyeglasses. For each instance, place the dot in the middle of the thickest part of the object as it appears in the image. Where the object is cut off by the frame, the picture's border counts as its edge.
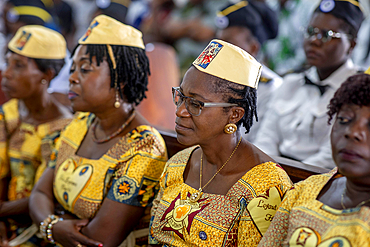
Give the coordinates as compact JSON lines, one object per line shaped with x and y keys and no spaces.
{"x":193,"y":106}
{"x":323,"y":35}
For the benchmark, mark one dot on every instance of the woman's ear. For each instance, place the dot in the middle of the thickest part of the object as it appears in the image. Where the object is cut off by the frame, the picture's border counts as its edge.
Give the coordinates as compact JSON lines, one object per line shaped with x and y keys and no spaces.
{"x":49,"y":75}
{"x":353,"y":44}
{"x":237,"y":114}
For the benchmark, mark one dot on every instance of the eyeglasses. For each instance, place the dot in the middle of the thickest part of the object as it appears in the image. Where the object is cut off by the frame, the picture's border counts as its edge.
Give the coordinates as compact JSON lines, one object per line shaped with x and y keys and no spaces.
{"x":323,"y":35}
{"x":193,"y":106}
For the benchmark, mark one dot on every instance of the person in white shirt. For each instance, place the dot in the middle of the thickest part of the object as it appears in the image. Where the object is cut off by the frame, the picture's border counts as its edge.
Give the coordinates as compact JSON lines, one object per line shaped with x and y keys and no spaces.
{"x":249,"y":25}
{"x":295,"y":124}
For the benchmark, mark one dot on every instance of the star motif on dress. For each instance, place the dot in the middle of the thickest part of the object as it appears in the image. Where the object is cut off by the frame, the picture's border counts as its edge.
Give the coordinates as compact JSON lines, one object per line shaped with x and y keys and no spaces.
{"x":180,"y":214}
{"x":302,"y":237}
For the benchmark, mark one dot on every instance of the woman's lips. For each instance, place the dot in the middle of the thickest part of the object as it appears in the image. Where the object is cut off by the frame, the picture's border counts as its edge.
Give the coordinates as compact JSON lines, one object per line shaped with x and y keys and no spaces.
{"x":72,"y":95}
{"x":349,"y":155}
{"x":179,"y":127}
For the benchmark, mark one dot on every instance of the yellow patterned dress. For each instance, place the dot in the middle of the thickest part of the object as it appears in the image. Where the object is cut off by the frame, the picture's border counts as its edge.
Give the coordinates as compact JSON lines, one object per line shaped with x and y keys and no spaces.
{"x":238,"y":218}
{"x":128,"y":173}
{"x":302,"y":220}
{"x":24,"y":152}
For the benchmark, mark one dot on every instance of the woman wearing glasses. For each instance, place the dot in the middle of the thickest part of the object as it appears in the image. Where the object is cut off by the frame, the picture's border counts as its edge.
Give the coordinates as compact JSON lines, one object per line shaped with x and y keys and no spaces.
{"x":223,"y":191}
{"x":296,"y":125}
{"x":333,"y":209}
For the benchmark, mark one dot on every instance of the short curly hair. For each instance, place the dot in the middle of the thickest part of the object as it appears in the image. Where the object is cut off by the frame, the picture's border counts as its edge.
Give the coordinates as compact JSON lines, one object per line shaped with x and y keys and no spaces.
{"x":355,"y":90}
{"x":243,"y":96}
{"x":132,"y":69}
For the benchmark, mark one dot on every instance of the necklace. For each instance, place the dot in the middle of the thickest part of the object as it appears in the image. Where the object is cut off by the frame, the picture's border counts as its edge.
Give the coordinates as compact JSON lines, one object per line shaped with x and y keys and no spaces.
{"x":108,"y":138}
{"x":358,"y":205}
{"x":197,"y":195}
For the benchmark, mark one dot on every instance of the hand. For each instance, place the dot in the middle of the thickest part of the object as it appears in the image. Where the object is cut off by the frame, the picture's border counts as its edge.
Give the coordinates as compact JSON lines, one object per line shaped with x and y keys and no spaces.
{"x":3,"y":235}
{"x":67,"y":233}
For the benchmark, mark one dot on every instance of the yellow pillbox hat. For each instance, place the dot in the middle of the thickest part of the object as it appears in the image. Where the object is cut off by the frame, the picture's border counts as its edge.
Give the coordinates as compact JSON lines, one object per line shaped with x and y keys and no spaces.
{"x":105,"y":30}
{"x":229,"y":62}
{"x":39,"y":42}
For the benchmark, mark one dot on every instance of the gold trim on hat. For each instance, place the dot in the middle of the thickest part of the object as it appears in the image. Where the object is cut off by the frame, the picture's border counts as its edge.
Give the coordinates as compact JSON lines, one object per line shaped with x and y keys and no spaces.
{"x":232,"y":8}
{"x":33,"y":11}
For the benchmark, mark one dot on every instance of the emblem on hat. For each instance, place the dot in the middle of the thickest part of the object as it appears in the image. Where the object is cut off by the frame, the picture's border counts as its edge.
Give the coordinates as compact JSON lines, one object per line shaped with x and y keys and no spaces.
{"x":327,"y":5}
{"x":222,"y":22}
{"x":21,"y":42}
{"x":206,"y":57}
{"x":89,"y":30}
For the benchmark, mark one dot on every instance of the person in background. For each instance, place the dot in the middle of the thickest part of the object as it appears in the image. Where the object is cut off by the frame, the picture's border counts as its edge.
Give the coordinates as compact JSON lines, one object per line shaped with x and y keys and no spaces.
{"x":333,"y":209}
{"x":249,"y":24}
{"x":106,"y":166}
{"x":35,"y":56}
{"x":116,"y":9}
{"x":285,"y":53}
{"x":18,"y":13}
{"x":210,"y":193}
{"x":296,"y":126}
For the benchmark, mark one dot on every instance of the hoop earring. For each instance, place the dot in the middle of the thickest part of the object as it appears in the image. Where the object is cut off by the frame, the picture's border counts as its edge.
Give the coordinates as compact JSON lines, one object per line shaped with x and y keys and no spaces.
{"x":117,"y":104}
{"x":230,"y":128}
{"x":44,"y":82}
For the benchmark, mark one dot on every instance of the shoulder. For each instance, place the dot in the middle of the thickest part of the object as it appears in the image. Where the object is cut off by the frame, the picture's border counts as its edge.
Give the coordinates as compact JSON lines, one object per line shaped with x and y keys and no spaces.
{"x":10,"y":109}
{"x":181,"y":157}
{"x":267,"y":175}
{"x":147,"y":139}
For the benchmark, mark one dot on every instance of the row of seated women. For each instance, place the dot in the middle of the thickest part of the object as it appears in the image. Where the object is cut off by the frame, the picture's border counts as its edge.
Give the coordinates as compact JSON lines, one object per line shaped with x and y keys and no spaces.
{"x":100,"y":178}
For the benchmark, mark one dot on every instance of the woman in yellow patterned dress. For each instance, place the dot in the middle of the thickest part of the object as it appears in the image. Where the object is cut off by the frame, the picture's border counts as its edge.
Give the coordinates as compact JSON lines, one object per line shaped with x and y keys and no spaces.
{"x":108,"y":161}
{"x":333,"y":209}
{"x":35,"y":56}
{"x":240,"y":187}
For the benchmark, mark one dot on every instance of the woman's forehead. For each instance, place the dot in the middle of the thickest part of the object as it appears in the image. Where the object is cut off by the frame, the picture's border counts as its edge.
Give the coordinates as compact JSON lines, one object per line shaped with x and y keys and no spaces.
{"x":325,"y":21}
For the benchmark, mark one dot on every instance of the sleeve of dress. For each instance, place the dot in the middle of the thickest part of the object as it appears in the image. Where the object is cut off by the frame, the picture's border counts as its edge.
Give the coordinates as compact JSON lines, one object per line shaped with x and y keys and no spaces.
{"x":162,"y":186}
{"x":278,"y":229}
{"x":4,"y":161}
{"x":260,"y":210}
{"x":48,"y":153}
{"x":135,"y":180}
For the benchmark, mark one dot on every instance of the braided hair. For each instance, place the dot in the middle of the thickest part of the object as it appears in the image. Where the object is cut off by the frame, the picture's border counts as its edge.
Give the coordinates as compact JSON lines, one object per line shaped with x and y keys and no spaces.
{"x":355,"y":90}
{"x":131,"y":74}
{"x":243,"y":96}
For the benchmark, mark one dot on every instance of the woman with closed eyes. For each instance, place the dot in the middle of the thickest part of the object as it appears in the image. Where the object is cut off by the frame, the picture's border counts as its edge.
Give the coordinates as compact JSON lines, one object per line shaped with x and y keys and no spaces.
{"x":333,"y":209}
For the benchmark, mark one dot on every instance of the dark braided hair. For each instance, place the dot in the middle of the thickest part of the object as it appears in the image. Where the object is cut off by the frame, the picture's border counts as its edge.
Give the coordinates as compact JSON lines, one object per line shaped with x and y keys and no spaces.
{"x":132,"y":69}
{"x":243,"y":96}
{"x":355,"y":90}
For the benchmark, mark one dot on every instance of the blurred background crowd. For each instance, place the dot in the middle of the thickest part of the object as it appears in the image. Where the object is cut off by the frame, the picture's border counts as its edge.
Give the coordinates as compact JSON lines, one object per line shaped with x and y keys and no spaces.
{"x":176,"y":31}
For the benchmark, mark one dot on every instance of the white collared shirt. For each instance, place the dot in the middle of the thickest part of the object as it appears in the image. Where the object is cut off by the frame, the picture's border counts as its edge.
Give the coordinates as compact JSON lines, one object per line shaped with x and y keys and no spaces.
{"x":295,"y":124}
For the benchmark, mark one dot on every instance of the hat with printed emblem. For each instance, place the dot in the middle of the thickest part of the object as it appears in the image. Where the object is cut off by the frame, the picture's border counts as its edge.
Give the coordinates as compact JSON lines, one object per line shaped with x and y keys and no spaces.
{"x":229,"y":62}
{"x":35,"y":41}
{"x":105,"y":30}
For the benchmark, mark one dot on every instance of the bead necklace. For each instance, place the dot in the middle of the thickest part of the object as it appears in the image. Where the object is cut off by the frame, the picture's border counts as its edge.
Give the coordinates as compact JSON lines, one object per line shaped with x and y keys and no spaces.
{"x":358,"y":205}
{"x":197,"y":195}
{"x":110,"y":137}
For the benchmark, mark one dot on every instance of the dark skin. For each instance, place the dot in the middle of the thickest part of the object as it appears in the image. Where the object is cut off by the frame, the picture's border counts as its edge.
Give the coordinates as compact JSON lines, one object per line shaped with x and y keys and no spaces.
{"x":327,"y":57}
{"x":242,"y":37}
{"x":207,"y":130}
{"x":91,"y":92}
{"x":22,"y":80}
{"x":350,"y":138}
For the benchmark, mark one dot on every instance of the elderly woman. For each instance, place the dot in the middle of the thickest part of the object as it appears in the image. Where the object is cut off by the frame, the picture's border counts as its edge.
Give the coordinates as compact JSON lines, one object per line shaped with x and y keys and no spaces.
{"x":108,"y":160}
{"x":333,"y":209}
{"x":222,"y":191}
{"x":35,"y":56}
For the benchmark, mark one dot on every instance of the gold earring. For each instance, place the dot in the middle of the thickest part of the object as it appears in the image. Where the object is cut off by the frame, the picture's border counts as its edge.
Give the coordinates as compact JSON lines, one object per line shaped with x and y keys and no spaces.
{"x":117,"y":104}
{"x":44,"y":82}
{"x":230,"y":128}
